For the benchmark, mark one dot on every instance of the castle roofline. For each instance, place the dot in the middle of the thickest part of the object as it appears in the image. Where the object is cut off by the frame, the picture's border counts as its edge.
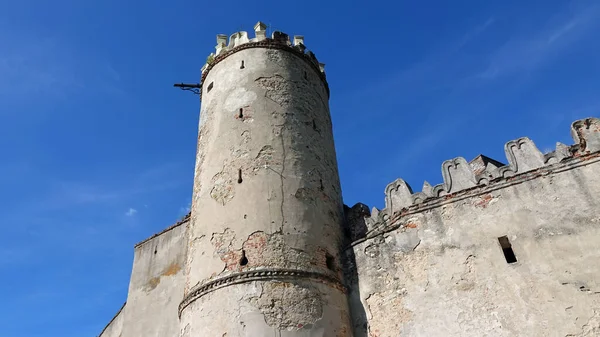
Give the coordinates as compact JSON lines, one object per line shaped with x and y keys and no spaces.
{"x":483,"y":174}
{"x":239,"y":41}
{"x":185,"y":219}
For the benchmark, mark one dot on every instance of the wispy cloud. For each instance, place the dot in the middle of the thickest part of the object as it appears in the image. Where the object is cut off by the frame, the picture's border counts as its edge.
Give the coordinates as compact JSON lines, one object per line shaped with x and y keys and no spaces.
{"x":131,"y":212}
{"x":524,"y":53}
{"x":185,"y":209}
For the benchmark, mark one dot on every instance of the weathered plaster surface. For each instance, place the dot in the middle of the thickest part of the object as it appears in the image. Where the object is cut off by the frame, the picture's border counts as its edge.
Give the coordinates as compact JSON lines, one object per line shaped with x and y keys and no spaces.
{"x":270,"y":309}
{"x":441,"y":271}
{"x":156,"y":285}
{"x":266,"y":196}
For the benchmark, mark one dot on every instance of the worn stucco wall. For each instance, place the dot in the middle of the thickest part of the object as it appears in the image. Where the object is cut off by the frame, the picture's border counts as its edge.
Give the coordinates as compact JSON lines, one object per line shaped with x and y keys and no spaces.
{"x":266,"y":224}
{"x":156,"y":285}
{"x":437,"y":268}
{"x":114,"y":328}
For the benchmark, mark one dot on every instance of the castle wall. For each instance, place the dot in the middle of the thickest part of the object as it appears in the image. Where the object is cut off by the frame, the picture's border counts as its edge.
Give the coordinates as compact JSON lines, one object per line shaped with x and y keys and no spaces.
{"x":439,"y":270}
{"x":266,"y":228}
{"x":115,"y":326}
{"x":156,"y":285}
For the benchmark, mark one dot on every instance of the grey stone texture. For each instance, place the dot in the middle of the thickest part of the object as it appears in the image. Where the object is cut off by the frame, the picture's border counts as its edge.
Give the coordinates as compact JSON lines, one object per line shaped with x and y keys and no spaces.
{"x":269,"y":249}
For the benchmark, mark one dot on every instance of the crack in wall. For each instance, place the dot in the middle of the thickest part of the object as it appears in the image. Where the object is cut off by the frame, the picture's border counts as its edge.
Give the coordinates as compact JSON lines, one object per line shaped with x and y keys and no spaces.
{"x":281,"y":207}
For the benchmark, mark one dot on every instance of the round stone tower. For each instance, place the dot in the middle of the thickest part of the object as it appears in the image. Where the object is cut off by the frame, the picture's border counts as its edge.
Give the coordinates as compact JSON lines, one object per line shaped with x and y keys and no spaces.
{"x":266,"y":225}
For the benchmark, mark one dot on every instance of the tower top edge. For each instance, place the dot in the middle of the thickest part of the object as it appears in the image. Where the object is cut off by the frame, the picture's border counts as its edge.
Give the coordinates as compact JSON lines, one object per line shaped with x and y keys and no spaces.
{"x":237,"y":39}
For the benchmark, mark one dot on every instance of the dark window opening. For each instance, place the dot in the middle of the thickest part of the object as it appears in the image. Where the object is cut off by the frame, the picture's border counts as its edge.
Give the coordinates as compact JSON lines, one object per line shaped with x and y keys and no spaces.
{"x":330,"y":262}
{"x":242,"y":67}
{"x":239,"y":176}
{"x":305,"y":76}
{"x":244,"y":259}
{"x":509,"y":254}
{"x":155,"y":250}
{"x":321,"y":187}
{"x":210,"y":86}
{"x":314,"y":125}
{"x":241,"y":115}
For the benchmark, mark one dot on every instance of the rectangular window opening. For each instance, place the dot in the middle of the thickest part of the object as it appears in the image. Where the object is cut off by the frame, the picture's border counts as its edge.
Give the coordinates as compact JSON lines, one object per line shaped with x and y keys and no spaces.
{"x":509,"y":254}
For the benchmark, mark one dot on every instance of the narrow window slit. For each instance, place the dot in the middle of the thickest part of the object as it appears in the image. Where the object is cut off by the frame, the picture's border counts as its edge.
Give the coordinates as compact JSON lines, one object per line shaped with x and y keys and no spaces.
{"x":241,"y":115}
{"x":330,"y":262}
{"x":305,"y":76}
{"x":239,"y":176}
{"x":509,"y":254}
{"x":314,"y":125}
{"x":210,"y":86}
{"x":242,"y":67}
{"x":321,"y":184}
{"x":243,"y":259}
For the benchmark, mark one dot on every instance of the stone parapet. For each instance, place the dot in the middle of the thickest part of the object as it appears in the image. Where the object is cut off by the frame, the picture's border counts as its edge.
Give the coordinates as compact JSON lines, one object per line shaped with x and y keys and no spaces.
{"x":240,"y":38}
{"x":460,"y":176}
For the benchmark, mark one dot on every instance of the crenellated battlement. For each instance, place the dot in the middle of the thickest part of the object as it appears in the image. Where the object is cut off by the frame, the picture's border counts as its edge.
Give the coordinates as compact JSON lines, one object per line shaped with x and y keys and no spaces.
{"x":459,"y":175}
{"x":226,"y":46}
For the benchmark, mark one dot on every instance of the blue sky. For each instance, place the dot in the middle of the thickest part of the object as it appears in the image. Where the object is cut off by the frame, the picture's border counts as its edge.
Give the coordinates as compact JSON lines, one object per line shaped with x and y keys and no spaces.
{"x":98,"y":148}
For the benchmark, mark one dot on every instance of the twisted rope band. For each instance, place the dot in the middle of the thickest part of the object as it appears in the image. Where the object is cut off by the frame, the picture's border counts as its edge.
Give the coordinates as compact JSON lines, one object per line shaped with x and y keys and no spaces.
{"x":257,"y":275}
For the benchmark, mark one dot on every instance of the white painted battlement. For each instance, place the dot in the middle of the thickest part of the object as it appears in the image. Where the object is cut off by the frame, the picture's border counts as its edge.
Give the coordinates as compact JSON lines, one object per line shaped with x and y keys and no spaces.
{"x":225,"y":44}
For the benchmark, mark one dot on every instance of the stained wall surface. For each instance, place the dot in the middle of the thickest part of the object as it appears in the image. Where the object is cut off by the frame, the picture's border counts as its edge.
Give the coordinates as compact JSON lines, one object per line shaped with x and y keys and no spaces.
{"x":156,"y":285}
{"x":439,"y":269}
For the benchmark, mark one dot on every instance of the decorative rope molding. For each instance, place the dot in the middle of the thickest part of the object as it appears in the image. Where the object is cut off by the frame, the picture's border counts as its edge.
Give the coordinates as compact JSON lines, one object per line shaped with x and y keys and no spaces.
{"x":257,"y":275}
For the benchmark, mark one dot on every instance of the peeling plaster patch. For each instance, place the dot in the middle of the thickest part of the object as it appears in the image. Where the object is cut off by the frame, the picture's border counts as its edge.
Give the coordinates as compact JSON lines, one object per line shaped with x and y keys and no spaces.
{"x":278,"y":89}
{"x":414,"y":267}
{"x":387,"y":314}
{"x":485,"y":200}
{"x":287,"y":306}
{"x":223,"y":243}
{"x":304,"y":194}
{"x":223,"y":190}
{"x":238,"y":97}
{"x":245,"y":137}
{"x":465,"y":281}
{"x":256,"y":243}
{"x":274,"y":56}
{"x":264,"y":157}
{"x":238,"y":153}
{"x":591,"y":328}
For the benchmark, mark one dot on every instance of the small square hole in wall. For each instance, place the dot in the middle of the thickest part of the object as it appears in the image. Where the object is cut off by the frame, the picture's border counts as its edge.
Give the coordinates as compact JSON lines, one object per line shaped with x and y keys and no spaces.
{"x":509,"y":254}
